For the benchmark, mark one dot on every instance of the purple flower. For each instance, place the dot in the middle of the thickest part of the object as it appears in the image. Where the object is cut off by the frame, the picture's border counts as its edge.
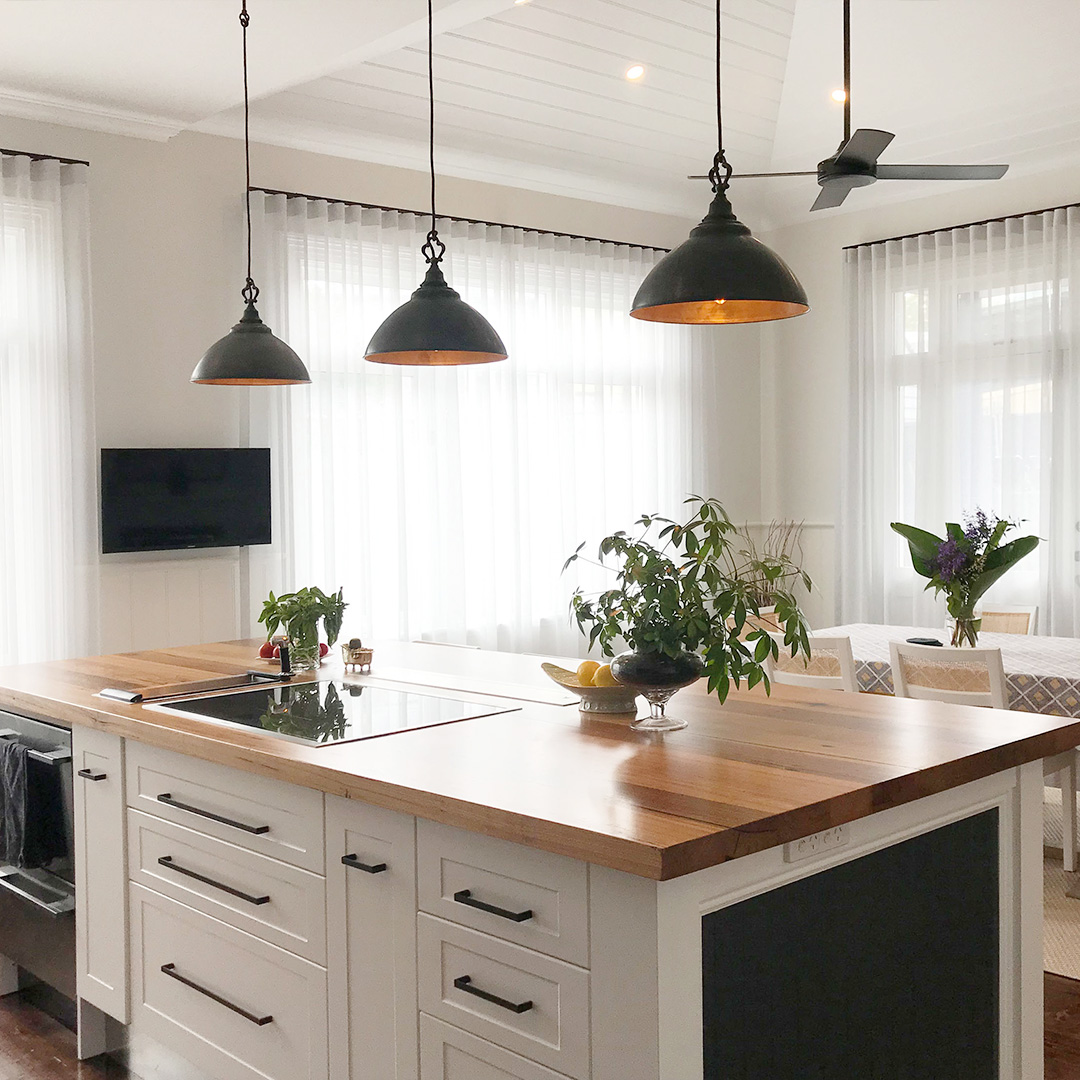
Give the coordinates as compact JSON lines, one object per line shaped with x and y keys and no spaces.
{"x":950,"y":561}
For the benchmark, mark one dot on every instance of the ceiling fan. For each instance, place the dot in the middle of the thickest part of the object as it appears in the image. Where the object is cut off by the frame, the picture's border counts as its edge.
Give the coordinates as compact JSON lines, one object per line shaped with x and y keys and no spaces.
{"x":855,"y":163}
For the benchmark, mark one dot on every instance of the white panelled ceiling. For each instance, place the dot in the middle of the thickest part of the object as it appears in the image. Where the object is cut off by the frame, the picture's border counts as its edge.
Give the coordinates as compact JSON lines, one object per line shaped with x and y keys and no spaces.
{"x":535,"y":95}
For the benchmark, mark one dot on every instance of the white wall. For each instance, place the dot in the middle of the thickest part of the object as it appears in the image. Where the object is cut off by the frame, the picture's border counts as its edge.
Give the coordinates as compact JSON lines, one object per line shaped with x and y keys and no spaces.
{"x":167,"y":267}
{"x":804,"y":359}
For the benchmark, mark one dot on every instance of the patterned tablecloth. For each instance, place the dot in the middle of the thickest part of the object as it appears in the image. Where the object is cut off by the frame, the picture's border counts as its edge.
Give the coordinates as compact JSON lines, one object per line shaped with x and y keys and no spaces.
{"x":1043,"y":673}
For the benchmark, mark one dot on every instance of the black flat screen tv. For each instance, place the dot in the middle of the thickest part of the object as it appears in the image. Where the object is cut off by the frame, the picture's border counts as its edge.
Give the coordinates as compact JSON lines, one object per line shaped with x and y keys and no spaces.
{"x":165,"y":500}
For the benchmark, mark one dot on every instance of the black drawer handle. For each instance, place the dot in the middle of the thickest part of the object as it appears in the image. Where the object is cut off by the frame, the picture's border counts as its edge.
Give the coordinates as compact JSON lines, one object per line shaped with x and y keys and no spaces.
{"x":464,"y":982}
{"x":368,"y":868}
{"x":256,"y":830}
{"x":88,"y":774}
{"x":170,"y":970}
{"x":167,"y":862}
{"x":464,"y":896}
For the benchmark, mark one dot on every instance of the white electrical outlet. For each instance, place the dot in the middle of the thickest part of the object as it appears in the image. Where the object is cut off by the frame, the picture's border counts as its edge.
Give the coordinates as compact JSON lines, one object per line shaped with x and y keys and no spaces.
{"x":820,"y":843}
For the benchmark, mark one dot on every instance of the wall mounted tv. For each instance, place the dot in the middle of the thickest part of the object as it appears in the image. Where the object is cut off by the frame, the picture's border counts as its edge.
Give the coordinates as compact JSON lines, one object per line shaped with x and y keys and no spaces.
{"x":164,"y":500}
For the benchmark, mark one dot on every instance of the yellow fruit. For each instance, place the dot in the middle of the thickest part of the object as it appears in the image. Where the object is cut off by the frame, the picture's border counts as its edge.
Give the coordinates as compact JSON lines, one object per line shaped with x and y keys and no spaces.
{"x":603,"y":677}
{"x":585,"y":672}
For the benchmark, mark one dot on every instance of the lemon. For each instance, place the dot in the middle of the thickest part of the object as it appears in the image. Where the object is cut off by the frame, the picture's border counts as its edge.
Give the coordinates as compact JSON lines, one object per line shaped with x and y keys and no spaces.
{"x":585,"y":672}
{"x":603,"y":676}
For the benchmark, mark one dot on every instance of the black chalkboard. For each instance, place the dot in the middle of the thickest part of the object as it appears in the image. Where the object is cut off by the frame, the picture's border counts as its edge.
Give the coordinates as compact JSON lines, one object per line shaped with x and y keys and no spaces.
{"x":885,"y":968}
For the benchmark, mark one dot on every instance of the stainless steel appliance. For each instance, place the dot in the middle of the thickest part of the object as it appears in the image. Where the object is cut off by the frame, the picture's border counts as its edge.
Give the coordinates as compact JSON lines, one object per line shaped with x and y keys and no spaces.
{"x":37,"y":906}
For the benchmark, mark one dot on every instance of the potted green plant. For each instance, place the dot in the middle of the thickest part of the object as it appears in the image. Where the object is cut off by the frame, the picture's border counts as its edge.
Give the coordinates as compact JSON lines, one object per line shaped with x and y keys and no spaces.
{"x":769,"y":566}
{"x":965,"y":563}
{"x":299,"y":613}
{"x":676,"y":596}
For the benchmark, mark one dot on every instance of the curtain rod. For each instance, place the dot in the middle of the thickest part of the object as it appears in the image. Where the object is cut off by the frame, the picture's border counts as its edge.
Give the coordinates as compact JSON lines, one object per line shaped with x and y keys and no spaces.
{"x":42,"y":157}
{"x":451,"y":217}
{"x":966,"y":225}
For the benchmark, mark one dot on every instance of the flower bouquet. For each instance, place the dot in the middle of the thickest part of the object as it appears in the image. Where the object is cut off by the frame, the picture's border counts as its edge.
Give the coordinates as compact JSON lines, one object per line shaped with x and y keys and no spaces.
{"x":965,"y":563}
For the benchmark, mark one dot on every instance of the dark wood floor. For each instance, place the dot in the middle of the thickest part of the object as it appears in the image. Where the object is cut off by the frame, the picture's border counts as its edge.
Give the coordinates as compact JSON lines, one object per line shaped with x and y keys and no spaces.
{"x":33,"y":1046}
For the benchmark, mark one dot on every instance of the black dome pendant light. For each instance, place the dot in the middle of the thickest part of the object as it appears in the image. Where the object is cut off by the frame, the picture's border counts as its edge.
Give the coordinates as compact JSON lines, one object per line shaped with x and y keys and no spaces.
{"x":249,"y":354}
{"x":721,"y":274}
{"x":435,"y":327}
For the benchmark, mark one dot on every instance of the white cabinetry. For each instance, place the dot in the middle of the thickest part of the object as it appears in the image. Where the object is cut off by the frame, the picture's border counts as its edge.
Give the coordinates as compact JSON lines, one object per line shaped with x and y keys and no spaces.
{"x":371,"y":909}
{"x":100,"y":887}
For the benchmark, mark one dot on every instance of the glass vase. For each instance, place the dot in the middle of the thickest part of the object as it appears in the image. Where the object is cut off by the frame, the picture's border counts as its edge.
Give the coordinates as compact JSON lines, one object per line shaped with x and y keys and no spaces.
{"x":304,"y":657}
{"x":656,"y":676}
{"x":965,"y":630}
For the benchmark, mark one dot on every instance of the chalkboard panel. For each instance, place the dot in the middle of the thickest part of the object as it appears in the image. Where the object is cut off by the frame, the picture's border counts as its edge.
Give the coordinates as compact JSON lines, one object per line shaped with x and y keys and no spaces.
{"x":885,"y":968}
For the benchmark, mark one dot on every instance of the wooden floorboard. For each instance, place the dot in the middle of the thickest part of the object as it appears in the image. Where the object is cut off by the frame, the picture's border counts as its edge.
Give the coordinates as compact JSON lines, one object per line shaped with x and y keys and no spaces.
{"x":33,"y":1046}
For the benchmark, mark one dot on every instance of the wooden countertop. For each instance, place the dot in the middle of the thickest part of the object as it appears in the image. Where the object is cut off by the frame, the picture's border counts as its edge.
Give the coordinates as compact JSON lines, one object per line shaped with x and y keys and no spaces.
{"x":750,"y":775}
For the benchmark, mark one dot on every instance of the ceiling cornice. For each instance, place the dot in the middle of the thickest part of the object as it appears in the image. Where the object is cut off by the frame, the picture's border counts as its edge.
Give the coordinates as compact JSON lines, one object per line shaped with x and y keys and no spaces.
{"x":80,"y":114}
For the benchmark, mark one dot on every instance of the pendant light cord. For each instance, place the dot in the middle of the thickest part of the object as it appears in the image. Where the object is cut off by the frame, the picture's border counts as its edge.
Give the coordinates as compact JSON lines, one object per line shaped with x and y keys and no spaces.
{"x":250,"y":292}
{"x":847,"y":71}
{"x":434,"y":249}
{"x":720,"y":161}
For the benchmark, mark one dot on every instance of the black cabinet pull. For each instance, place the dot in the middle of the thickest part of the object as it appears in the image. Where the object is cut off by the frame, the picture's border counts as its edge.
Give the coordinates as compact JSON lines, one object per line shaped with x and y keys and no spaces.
{"x":464,"y":982}
{"x":464,"y":896}
{"x":167,"y":862}
{"x":170,"y":970}
{"x":256,"y":830}
{"x":88,"y":774}
{"x":368,"y":868}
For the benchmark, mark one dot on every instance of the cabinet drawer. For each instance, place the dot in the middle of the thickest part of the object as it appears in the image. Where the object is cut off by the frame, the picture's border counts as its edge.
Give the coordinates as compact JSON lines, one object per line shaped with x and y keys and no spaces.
{"x":267,"y":816}
{"x":242,"y":973}
{"x":100,"y":871}
{"x":541,"y":1006}
{"x":446,"y":1053}
{"x":540,"y":899}
{"x":280,"y":903}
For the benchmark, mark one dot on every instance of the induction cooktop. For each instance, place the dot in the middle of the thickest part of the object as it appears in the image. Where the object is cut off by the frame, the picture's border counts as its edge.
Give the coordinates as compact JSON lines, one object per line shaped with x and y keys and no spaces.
{"x":331,"y":712}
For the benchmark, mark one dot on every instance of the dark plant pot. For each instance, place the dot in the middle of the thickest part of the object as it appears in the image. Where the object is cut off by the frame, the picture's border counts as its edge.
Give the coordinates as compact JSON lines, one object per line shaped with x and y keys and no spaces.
{"x":656,"y":669}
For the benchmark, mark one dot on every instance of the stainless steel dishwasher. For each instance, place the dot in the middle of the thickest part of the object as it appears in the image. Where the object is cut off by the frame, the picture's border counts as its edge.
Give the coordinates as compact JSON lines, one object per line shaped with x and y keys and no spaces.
{"x":37,"y":906}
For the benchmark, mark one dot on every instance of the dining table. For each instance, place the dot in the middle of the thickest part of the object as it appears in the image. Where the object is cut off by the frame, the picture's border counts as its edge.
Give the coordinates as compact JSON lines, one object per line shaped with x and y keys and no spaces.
{"x":1042,"y":672}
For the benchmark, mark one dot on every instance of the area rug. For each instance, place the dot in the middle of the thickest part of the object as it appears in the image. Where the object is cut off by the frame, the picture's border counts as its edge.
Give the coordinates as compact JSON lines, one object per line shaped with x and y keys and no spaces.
{"x":1061,"y":913}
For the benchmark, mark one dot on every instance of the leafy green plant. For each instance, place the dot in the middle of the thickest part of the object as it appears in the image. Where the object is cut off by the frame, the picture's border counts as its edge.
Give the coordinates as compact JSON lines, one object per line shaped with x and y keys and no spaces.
{"x":299,"y":612}
{"x":965,"y":563}
{"x":306,"y":716}
{"x":683,"y":593}
{"x":771,"y":565}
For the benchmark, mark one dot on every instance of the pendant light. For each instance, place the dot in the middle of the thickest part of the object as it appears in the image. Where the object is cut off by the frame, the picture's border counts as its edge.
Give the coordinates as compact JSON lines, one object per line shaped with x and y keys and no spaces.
{"x":249,"y":354}
{"x":435,"y":327}
{"x":721,"y":274}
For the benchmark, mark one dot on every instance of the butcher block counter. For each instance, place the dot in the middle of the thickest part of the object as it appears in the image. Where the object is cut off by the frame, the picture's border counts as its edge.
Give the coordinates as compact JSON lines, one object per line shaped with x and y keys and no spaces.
{"x":824,"y":884}
{"x":753,"y":774}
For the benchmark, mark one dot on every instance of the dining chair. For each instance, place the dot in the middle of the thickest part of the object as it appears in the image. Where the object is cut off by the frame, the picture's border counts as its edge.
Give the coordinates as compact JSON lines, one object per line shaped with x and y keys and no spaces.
{"x":830,"y":666}
{"x":977,"y":677}
{"x":1004,"y":619}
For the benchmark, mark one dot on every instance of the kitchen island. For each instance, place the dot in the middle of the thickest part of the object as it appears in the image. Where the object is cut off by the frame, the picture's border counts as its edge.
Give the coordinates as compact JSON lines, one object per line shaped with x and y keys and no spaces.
{"x":543,"y":893}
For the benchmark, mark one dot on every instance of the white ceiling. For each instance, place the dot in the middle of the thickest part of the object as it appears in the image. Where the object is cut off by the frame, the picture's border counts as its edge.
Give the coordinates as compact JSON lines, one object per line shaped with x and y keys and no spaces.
{"x":535,"y":95}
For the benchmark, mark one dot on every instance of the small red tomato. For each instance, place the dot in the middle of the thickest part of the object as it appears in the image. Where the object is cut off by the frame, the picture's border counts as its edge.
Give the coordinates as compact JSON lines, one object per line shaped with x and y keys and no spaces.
{"x":266,"y":650}
{"x":323,"y":648}
{"x":277,"y":652}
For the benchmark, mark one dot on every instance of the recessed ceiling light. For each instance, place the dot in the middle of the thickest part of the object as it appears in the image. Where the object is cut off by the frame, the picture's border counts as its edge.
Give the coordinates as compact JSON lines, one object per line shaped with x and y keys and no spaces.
{"x":521,"y":1}
{"x":839,"y":96}
{"x":635,"y":72}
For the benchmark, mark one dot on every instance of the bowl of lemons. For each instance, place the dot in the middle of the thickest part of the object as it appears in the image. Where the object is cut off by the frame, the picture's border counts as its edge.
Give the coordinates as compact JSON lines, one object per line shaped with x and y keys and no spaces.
{"x":597,"y":688}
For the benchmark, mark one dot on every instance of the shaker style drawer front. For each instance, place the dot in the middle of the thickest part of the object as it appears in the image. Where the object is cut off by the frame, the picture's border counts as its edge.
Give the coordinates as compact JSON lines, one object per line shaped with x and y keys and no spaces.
{"x":447,"y":1053}
{"x":520,"y":894}
{"x":279,"y":903}
{"x":100,"y":871}
{"x":267,"y":816}
{"x":233,"y":1005}
{"x":531,"y":1004}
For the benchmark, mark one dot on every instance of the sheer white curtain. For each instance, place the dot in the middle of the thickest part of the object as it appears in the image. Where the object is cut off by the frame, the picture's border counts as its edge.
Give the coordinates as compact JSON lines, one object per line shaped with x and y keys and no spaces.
{"x":48,"y":475}
{"x":446,"y":500}
{"x":964,"y":392}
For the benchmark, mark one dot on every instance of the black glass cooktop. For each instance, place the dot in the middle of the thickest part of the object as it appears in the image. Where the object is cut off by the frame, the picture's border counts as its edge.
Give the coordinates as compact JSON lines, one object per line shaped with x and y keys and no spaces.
{"x":324,"y":713}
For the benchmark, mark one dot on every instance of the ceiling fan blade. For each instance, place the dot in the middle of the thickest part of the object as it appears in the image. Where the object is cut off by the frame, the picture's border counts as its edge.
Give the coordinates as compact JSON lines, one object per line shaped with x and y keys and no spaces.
{"x":864,"y":148}
{"x":941,"y":172}
{"x":833,"y":193}
{"x":757,"y":175}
